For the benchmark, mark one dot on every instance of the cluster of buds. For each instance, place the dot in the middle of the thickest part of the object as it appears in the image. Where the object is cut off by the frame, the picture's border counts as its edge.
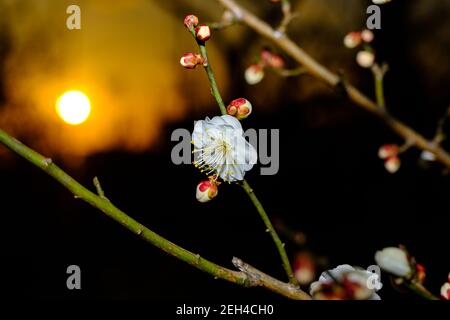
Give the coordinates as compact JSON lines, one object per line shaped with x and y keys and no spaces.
{"x":207,"y":189}
{"x":445,"y":289}
{"x":344,"y":283}
{"x":365,"y":57}
{"x":304,"y":268}
{"x":267,"y":59}
{"x":389,"y":153}
{"x":202,"y":33}
{"x":240,"y":108}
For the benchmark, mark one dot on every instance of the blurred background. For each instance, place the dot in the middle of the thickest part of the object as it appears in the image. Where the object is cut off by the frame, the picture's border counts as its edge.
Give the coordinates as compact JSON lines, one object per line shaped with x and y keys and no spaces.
{"x":331,"y":189}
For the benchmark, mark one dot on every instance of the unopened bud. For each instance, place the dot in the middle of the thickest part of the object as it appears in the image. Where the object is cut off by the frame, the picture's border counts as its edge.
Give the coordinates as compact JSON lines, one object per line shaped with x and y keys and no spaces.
{"x":190,"y":21}
{"x":367,"y":35}
{"x":420,"y":273}
{"x":365,"y":59}
{"x":191,"y":60}
{"x":240,"y":108}
{"x":203,"y":32}
{"x":254,"y":74}
{"x":206,"y":190}
{"x":392,"y":164}
{"x":388,"y":150}
{"x":445,"y":291}
{"x":304,"y":268}
{"x":352,"y":40}
{"x":271,"y":59}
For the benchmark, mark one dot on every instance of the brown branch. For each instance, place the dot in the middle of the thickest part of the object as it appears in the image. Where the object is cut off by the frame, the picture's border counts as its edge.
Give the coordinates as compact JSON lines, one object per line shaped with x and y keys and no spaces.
{"x":321,"y":72}
{"x":258,"y":278}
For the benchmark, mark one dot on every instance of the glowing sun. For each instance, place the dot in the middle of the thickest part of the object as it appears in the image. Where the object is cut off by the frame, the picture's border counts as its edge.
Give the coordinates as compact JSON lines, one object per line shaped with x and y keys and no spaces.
{"x":73,"y":107}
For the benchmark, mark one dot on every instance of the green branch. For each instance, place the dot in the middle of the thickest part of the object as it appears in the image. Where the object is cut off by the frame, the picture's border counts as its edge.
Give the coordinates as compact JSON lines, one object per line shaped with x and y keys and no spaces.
{"x":250,"y":277}
{"x":378,"y":74}
{"x":276,"y":239}
{"x":101,"y":203}
{"x":280,"y":246}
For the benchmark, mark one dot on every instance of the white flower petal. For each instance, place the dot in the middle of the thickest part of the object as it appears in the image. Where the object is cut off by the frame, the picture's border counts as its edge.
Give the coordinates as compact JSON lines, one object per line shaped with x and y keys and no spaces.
{"x":393,"y":260}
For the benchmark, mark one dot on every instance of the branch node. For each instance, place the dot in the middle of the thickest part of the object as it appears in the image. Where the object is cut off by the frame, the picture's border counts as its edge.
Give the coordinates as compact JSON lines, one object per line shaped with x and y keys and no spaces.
{"x":48,"y":162}
{"x":99,"y":189}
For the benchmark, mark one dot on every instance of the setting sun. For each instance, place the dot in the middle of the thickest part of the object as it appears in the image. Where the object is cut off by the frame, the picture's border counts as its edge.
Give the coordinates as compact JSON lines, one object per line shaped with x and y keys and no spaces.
{"x":73,"y":107}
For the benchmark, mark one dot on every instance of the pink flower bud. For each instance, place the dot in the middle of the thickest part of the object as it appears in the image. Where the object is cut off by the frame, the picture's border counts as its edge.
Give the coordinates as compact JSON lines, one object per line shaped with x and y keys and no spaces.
{"x":190,"y":21}
{"x":191,"y":60}
{"x":367,"y":35}
{"x":271,"y":59}
{"x":276,"y":61}
{"x":254,"y":74}
{"x":420,"y":273}
{"x":304,"y":268}
{"x":206,"y":190}
{"x":365,"y":59}
{"x":445,"y":291}
{"x":388,"y":150}
{"x":352,"y":40}
{"x":203,"y":32}
{"x":266,"y":56}
{"x":240,"y":108}
{"x":392,"y":164}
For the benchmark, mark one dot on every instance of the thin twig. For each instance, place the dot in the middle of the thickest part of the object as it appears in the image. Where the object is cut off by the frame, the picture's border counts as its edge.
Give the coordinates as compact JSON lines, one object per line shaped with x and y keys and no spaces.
{"x":286,"y":8}
{"x":440,"y":135}
{"x":319,"y":71}
{"x":287,"y":73}
{"x":276,"y":239}
{"x":259,"y":207}
{"x":378,"y":74}
{"x":99,"y":189}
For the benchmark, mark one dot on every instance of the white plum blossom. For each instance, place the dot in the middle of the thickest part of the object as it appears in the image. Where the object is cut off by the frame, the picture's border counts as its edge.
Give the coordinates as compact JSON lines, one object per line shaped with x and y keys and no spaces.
{"x":394,"y":260}
{"x":221,"y":149}
{"x":344,"y":283}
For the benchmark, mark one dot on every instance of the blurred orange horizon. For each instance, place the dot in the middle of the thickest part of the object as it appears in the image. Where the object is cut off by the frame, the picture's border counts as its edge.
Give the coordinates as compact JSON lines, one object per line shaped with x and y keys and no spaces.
{"x":124,"y":58}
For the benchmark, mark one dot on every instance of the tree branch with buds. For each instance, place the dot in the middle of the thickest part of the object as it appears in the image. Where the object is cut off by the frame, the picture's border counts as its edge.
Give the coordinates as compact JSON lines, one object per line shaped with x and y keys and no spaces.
{"x":191,"y":23}
{"x":316,"y":69}
{"x":100,"y":202}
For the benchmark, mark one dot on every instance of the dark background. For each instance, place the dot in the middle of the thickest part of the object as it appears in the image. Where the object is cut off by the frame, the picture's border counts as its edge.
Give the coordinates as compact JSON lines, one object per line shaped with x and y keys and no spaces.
{"x":331,"y":186}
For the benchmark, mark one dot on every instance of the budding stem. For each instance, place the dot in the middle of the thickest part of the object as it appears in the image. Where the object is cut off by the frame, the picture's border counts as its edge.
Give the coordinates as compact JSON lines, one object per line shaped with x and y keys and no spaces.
{"x":216,"y":93}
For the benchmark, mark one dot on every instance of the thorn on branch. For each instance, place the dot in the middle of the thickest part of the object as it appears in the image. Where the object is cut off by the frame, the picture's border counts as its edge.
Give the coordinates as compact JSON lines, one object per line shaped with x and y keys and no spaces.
{"x":48,"y":162}
{"x":99,"y":189}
